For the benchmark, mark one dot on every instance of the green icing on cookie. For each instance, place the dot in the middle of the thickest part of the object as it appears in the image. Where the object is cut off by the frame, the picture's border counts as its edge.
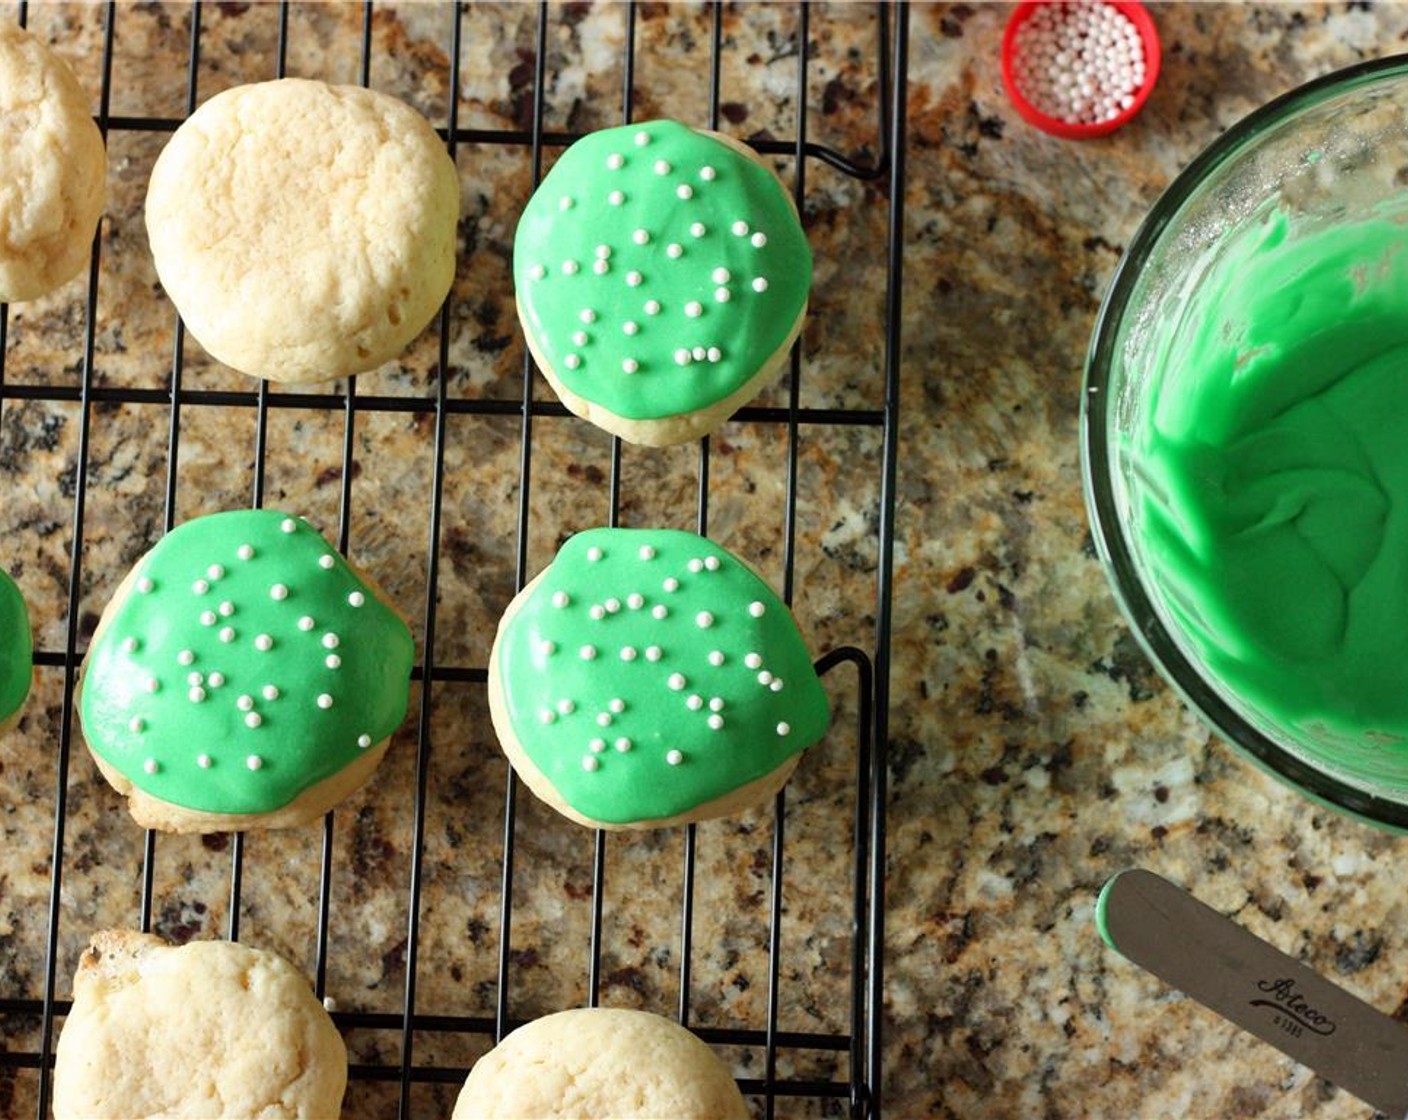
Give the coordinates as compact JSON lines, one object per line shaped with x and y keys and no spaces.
{"x":245,"y":663}
{"x":659,"y":269}
{"x":16,"y":648}
{"x":649,"y":671}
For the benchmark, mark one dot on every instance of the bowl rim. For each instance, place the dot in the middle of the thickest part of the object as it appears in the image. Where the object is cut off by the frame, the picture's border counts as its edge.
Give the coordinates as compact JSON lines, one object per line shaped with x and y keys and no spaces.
{"x":1132,"y":10}
{"x":1107,"y":528}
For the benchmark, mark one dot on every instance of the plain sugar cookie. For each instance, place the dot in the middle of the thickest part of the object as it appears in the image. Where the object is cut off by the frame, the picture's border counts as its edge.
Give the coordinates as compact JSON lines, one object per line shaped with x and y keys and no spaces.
{"x":649,"y":677}
{"x":243,"y":676}
{"x":600,"y":1063}
{"x":209,"y":1029}
{"x":662,"y":276}
{"x":53,"y":172}
{"x":304,"y":231}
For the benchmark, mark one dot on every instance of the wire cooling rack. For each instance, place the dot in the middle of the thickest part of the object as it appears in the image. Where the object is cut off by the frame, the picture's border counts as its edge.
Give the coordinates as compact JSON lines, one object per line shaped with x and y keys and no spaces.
{"x":29,"y":1019}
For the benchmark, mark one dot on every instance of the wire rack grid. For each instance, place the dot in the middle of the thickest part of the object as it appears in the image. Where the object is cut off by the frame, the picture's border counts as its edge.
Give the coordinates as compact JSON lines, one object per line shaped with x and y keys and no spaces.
{"x":31,"y":1019}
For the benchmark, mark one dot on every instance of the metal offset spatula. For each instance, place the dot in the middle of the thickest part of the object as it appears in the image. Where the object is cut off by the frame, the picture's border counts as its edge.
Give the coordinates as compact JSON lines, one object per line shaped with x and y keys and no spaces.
{"x":1213,"y":960}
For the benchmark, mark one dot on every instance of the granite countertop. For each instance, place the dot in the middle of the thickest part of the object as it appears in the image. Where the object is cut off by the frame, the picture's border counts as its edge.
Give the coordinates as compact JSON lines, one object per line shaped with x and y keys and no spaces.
{"x":1034,"y":750}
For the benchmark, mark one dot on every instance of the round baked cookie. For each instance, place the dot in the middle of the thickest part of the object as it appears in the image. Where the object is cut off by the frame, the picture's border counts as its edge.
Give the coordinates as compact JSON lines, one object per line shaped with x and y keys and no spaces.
{"x":207,"y":1029}
{"x":662,"y":277}
{"x":243,"y":676}
{"x":648,"y":678}
{"x":16,"y":653}
{"x":53,"y":173}
{"x":599,"y":1063}
{"x":304,"y":231}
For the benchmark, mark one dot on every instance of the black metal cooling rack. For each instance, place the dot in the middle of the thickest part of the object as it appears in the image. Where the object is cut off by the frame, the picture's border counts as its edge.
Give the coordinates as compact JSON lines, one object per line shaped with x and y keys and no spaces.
{"x":859,"y":1093}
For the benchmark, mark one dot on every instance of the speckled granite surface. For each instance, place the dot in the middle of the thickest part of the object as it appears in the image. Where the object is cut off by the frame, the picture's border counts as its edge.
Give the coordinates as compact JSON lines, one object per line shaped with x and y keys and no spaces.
{"x":1034,"y":750}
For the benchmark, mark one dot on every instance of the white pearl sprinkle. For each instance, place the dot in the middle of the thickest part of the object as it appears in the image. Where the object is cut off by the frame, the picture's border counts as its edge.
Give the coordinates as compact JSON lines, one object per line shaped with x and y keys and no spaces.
{"x":720,"y":276}
{"x":215,"y":571}
{"x":597,"y":611}
{"x":628,"y":653}
{"x":699,"y":355}
{"x":634,"y":278}
{"x":324,"y":700}
{"x":306,"y":623}
{"x":682,"y":357}
{"x":364,"y":741}
{"x":696,"y":565}
{"x":662,"y":167}
{"x":653,"y":653}
{"x":564,"y":203}
{"x":596,"y":746}
{"x":601,"y":268}
{"x":150,"y":766}
{"x":674,"y":250}
{"x":757,"y":609}
{"x":615,"y":160}
{"x":642,"y":138}
{"x":760,"y":284}
{"x":714,"y":354}
{"x":603,"y":719}
{"x":245,"y":552}
{"x":617,"y":705}
{"x":587,"y":652}
{"x":652,"y":307}
{"x":671,"y":584}
{"x":635,"y":600}
{"x":590,"y":762}
{"x":646,"y":552}
{"x":215,"y":680}
{"x":207,"y":618}
{"x":753,"y":661}
{"x":332,"y":661}
{"x":571,"y":361}
{"x":740,"y":229}
{"x":630,"y":365}
{"x":254,"y":762}
{"x":587,"y":315}
{"x":278,"y":591}
{"x":630,"y":326}
{"x":677,"y":681}
{"x":330,"y":640}
{"x":245,"y":703}
{"x":129,"y":645}
{"x":765,"y":677}
{"x":698,"y":229}
{"x":196,"y":695}
{"x":716,"y":703}
{"x":153,"y":685}
{"x":613,"y":605}
{"x":536,"y":272}
{"x":254,"y":719}
{"x":594,"y":554}
{"x":270,"y":692}
{"x":616,"y":198}
{"x":227,"y":608}
{"x":566,"y":707}
{"x":640,"y":237}
{"x":195,"y":678}
{"x":759,"y":240}
{"x":694,"y":309}
{"x":579,"y":338}
{"x":549,"y":647}
{"x":722,"y":295}
{"x":203,"y":761}
{"x":716,"y":722}
{"x":602,"y":252}
{"x":776,"y":685}
{"x":660,"y":611}
{"x":326,"y":562}
{"x":784,"y":728}
{"x":674,"y":758}
{"x":623,"y":744}
{"x":560,"y":599}
{"x":694,"y":703}
{"x":264,"y":642}
{"x":356,"y":599}
{"x":144,"y":585}
{"x":547,"y":715}
{"x":707,"y":173}
{"x":684,"y":190}
{"x":716,"y":657}
{"x":288,"y":525}
{"x":200,"y":587}
{"x":227,"y":634}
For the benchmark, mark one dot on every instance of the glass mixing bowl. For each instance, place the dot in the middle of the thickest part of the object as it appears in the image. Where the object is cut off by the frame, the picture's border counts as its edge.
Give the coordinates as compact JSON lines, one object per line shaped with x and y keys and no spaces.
{"x":1326,"y":156}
